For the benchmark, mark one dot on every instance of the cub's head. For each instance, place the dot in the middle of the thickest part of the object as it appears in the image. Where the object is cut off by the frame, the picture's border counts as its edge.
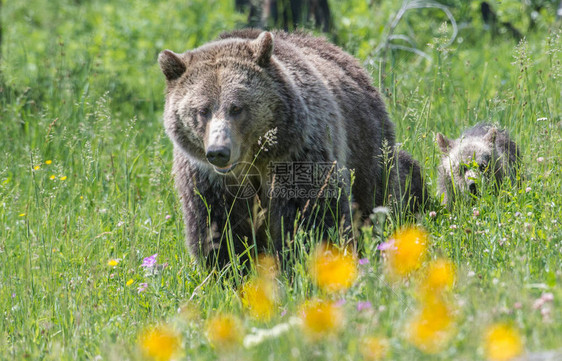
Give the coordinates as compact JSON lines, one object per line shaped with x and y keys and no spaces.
{"x":220,"y":100}
{"x":467,"y":162}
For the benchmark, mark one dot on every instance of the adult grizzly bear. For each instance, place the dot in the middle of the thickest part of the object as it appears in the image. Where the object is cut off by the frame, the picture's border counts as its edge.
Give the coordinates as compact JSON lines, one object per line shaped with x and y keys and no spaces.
{"x":327,"y":118}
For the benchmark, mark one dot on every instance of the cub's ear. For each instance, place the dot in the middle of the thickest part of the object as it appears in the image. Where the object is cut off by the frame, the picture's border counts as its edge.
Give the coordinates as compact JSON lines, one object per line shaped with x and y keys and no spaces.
{"x":263,"y":48}
{"x":172,"y":64}
{"x":490,"y":137}
{"x":444,"y":143}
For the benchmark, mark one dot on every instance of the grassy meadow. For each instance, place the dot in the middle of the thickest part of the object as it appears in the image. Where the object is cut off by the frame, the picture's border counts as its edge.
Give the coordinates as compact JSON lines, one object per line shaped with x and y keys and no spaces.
{"x":87,"y":196}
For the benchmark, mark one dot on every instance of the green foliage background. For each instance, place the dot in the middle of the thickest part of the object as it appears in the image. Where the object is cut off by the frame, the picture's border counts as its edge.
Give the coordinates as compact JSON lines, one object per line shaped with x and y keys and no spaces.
{"x":79,"y":85}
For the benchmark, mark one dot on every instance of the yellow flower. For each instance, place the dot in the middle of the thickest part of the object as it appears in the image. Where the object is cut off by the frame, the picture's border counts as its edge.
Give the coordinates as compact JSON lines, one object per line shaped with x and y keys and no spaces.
{"x":259,"y":297}
{"x":406,"y":251}
{"x":374,"y":348}
{"x":439,"y":276}
{"x":63,"y":178}
{"x":22,"y":214}
{"x":37,"y":167}
{"x":160,"y":343}
{"x":52,"y":177}
{"x":321,"y":318}
{"x":224,"y":331}
{"x":333,"y":270}
{"x":130,"y":282}
{"x":113,"y":262}
{"x":432,"y":327}
{"x":502,"y":342}
{"x":48,"y":162}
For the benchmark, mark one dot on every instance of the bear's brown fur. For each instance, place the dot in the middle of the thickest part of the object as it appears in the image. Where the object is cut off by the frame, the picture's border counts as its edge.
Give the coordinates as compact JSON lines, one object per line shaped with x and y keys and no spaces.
{"x":223,"y":97}
{"x":409,"y":188}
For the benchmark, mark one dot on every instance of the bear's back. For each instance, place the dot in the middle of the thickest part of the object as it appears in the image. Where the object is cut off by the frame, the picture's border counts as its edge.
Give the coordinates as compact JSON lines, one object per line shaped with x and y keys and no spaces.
{"x":315,"y":49}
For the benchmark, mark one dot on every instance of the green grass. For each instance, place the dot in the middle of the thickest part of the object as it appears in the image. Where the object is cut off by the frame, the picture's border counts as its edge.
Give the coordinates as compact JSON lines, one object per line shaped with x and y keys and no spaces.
{"x":80,"y":86}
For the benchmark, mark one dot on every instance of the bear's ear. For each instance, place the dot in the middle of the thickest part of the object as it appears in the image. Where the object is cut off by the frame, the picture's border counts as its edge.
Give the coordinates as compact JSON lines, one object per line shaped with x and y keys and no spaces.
{"x":263,"y":48}
{"x":490,"y":137}
{"x":172,"y":64}
{"x":444,"y":143}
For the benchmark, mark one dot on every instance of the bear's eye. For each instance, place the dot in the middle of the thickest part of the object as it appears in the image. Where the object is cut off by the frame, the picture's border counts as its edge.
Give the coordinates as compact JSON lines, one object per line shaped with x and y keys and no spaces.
{"x":204,"y":112}
{"x":235,"y":110}
{"x":483,"y":166}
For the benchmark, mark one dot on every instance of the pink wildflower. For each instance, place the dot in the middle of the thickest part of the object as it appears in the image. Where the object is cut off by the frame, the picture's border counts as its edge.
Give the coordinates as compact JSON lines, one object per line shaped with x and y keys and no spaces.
{"x":386,"y":245}
{"x":149,"y":262}
{"x":364,"y":305}
{"x":340,"y":302}
{"x":363,"y":261}
{"x":142,"y":287}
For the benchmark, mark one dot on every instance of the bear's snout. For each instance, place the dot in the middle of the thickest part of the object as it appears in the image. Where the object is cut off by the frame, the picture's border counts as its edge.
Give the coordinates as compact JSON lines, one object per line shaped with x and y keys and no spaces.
{"x":218,"y":155}
{"x":219,"y":144}
{"x":472,"y":187}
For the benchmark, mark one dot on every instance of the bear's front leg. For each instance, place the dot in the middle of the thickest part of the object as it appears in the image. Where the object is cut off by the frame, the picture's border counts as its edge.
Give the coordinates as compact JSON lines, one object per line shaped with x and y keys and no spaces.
{"x":217,"y":225}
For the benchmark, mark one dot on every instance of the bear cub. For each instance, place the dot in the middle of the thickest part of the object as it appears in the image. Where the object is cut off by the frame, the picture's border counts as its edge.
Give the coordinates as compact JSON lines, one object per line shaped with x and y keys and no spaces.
{"x":482,"y":153}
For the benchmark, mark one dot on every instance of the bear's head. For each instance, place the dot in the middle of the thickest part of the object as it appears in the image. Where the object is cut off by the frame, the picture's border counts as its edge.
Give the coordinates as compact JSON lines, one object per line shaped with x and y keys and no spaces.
{"x":467,"y":162}
{"x":221,"y":98}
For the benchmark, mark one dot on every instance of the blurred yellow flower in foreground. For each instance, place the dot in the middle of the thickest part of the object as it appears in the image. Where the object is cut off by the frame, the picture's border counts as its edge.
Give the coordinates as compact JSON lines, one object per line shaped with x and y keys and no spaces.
{"x":432,"y":327}
{"x":130,"y":282}
{"x":113,"y":262}
{"x":374,"y":348}
{"x":439,"y":276}
{"x":333,"y":270}
{"x":160,"y":343}
{"x":63,"y":178}
{"x":259,"y":296}
{"x":224,"y":331}
{"x":48,"y":162}
{"x":502,"y":342}
{"x":321,"y":318}
{"x":405,"y":251}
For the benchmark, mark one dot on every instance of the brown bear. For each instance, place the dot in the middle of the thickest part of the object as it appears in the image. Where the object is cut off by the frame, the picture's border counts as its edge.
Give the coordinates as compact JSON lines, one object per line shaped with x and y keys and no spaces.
{"x":291,"y":116}
{"x":482,"y":153}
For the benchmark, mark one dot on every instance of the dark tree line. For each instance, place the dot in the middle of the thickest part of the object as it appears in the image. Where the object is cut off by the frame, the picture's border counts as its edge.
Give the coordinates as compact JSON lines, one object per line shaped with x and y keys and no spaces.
{"x":293,"y":14}
{"x":287,"y":14}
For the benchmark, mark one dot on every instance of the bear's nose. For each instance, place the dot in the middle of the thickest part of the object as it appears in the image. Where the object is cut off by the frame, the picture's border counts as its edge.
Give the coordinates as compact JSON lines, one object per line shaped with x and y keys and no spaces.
{"x":472,"y":188}
{"x":218,"y":156}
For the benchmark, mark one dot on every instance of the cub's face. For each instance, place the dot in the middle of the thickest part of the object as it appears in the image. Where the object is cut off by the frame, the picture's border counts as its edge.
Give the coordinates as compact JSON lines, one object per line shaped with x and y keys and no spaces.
{"x":467,"y":163}
{"x":219,"y":102}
